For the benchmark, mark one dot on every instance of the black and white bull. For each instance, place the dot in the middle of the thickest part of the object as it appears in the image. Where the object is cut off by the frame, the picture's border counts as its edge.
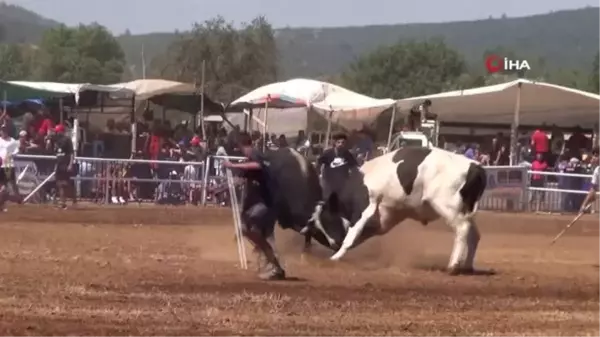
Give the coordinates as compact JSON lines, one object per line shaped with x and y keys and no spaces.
{"x":297,"y":199}
{"x":410,"y":183}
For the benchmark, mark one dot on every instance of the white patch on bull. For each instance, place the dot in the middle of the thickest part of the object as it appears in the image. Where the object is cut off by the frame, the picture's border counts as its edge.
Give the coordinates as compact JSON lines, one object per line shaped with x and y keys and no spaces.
{"x":316,"y":218}
{"x":346,"y":224}
{"x":301,"y":162}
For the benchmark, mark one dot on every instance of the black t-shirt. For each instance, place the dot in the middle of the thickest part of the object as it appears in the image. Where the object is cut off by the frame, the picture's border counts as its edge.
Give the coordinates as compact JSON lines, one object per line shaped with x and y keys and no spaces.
{"x":64,"y":150}
{"x":336,"y":165}
{"x":257,"y":182}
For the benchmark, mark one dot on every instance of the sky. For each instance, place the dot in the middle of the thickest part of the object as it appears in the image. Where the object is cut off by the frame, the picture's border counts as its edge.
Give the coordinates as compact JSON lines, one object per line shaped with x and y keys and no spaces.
{"x":146,"y":16}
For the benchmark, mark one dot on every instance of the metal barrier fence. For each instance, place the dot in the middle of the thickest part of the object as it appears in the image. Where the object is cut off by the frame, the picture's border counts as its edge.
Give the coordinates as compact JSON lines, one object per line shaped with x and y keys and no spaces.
{"x":119,"y":181}
{"x":506,"y":189}
{"x":509,"y":188}
{"x":555,"y":192}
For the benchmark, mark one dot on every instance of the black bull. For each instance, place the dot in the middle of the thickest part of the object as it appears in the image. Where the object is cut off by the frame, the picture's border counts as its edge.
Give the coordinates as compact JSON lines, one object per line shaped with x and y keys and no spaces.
{"x":296,"y":190}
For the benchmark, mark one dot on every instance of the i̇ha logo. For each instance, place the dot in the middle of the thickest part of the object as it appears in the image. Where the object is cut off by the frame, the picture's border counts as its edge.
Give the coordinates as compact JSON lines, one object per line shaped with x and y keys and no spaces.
{"x":495,"y":63}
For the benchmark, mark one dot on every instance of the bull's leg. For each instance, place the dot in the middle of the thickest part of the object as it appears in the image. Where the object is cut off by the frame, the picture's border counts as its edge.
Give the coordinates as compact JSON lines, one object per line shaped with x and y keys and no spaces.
{"x":355,"y":231}
{"x":473,"y":238}
{"x":466,"y":240}
{"x":466,"y":235}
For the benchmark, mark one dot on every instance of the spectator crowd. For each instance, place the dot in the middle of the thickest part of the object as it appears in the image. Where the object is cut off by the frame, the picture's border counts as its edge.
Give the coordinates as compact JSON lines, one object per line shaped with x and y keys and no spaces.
{"x":546,"y":149}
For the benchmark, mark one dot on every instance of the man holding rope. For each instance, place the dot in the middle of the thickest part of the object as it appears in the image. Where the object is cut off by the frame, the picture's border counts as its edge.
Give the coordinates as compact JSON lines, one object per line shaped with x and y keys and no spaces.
{"x":258,"y":217}
{"x":591,"y":196}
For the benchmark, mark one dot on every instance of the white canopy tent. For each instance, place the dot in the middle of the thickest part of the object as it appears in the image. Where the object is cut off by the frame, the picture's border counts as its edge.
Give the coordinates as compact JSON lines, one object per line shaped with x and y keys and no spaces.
{"x":59,"y":90}
{"x":522,"y":101}
{"x":519,"y":102}
{"x":75,"y":88}
{"x":145,"y":89}
{"x":300,"y":104}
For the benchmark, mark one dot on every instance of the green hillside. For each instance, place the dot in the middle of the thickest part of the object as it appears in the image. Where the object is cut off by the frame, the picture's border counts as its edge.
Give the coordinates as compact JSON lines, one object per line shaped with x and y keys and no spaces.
{"x":19,"y":25}
{"x":564,"y":39}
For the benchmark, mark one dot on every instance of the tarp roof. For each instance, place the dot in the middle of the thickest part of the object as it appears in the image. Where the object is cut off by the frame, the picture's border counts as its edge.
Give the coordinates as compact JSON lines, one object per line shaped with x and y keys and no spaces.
{"x":298,"y":92}
{"x":351,"y":109}
{"x":16,"y":92}
{"x":21,"y":90}
{"x":171,"y":94}
{"x":145,"y":89}
{"x":348,"y":107}
{"x":539,"y":103}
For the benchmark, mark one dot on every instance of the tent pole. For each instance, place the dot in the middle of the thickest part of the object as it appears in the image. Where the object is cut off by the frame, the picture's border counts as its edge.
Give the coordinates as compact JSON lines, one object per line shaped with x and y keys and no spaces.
{"x":328,"y":133}
{"x":266,"y":125}
{"x":133,"y":126}
{"x":202,"y":124}
{"x":4,"y":98}
{"x":515,"y":128}
{"x":60,"y":110}
{"x":391,"y":131}
{"x":250,"y":120}
{"x":226,"y":120}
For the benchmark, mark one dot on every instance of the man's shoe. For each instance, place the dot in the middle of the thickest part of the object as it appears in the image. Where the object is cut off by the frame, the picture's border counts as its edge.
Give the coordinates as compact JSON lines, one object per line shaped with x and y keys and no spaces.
{"x":272,"y":274}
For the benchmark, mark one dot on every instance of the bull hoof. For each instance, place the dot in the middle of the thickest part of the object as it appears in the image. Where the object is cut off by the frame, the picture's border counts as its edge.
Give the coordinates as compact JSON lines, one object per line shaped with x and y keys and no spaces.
{"x":337,"y":256}
{"x":468,"y":271}
{"x":453,"y":271}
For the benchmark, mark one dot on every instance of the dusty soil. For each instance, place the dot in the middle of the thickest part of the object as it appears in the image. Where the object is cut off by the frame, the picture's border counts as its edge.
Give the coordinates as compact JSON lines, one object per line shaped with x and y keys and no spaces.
{"x":174,"y":271}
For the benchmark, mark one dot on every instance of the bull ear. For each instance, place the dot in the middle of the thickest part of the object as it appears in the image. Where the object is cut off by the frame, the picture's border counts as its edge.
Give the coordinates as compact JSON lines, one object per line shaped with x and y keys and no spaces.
{"x":333,"y":203}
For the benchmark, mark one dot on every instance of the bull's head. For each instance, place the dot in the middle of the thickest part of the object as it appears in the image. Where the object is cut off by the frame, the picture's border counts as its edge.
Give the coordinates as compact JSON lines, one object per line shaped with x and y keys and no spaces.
{"x":327,"y":225}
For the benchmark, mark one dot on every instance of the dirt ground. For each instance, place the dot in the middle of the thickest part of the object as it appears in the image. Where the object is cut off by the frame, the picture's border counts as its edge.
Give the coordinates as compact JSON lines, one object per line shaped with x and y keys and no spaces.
{"x":174,"y":271}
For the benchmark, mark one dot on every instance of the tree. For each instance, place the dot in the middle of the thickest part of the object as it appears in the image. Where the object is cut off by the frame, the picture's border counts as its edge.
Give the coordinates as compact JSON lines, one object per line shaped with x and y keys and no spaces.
{"x":16,"y":62}
{"x":405,"y":70}
{"x":236,"y":61}
{"x":82,"y":54}
{"x":595,"y":80}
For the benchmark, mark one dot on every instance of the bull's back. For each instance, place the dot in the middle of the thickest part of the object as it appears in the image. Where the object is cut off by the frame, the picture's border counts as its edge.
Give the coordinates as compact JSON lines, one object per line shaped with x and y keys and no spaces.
{"x":294,"y":185}
{"x":446,"y":173}
{"x":394,"y":177}
{"x":378,"y":173}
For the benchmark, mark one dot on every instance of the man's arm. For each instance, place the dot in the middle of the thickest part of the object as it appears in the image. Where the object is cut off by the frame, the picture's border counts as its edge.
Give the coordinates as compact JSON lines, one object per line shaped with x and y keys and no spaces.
{"x":16,"y":145}
{"x":71,"y":153}
{"x":251,"y":165}
{"x":351,"y":160}
{"x":323,"y":160}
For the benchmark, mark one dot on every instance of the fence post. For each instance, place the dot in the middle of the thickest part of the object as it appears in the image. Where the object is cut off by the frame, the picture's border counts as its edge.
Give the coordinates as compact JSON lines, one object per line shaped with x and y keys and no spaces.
{"x":526,"y":193}
{"x":207,"y":163}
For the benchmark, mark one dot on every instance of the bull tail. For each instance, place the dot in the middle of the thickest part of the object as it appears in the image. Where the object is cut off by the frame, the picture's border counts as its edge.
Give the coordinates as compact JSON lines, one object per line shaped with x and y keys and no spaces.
{"x":472,"y":190}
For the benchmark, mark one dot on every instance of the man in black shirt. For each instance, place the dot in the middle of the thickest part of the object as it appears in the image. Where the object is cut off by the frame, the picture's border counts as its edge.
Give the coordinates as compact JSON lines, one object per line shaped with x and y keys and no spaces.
{"x":335,"y":165}
{"x":418,"y":114}
{"x":64,"y":165}
{"x":258,"y":216}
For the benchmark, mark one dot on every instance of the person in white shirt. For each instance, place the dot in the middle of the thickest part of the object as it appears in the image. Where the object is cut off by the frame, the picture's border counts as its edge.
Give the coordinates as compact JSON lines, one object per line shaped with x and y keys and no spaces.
{"x":591,"y":196}
{"x":8,"y":148}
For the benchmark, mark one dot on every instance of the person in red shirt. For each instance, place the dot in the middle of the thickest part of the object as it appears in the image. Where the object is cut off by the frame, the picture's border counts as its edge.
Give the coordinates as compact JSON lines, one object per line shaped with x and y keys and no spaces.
{"x":540,"y":143}
{"x":537,"y":180}
{"x":45,"y":125}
